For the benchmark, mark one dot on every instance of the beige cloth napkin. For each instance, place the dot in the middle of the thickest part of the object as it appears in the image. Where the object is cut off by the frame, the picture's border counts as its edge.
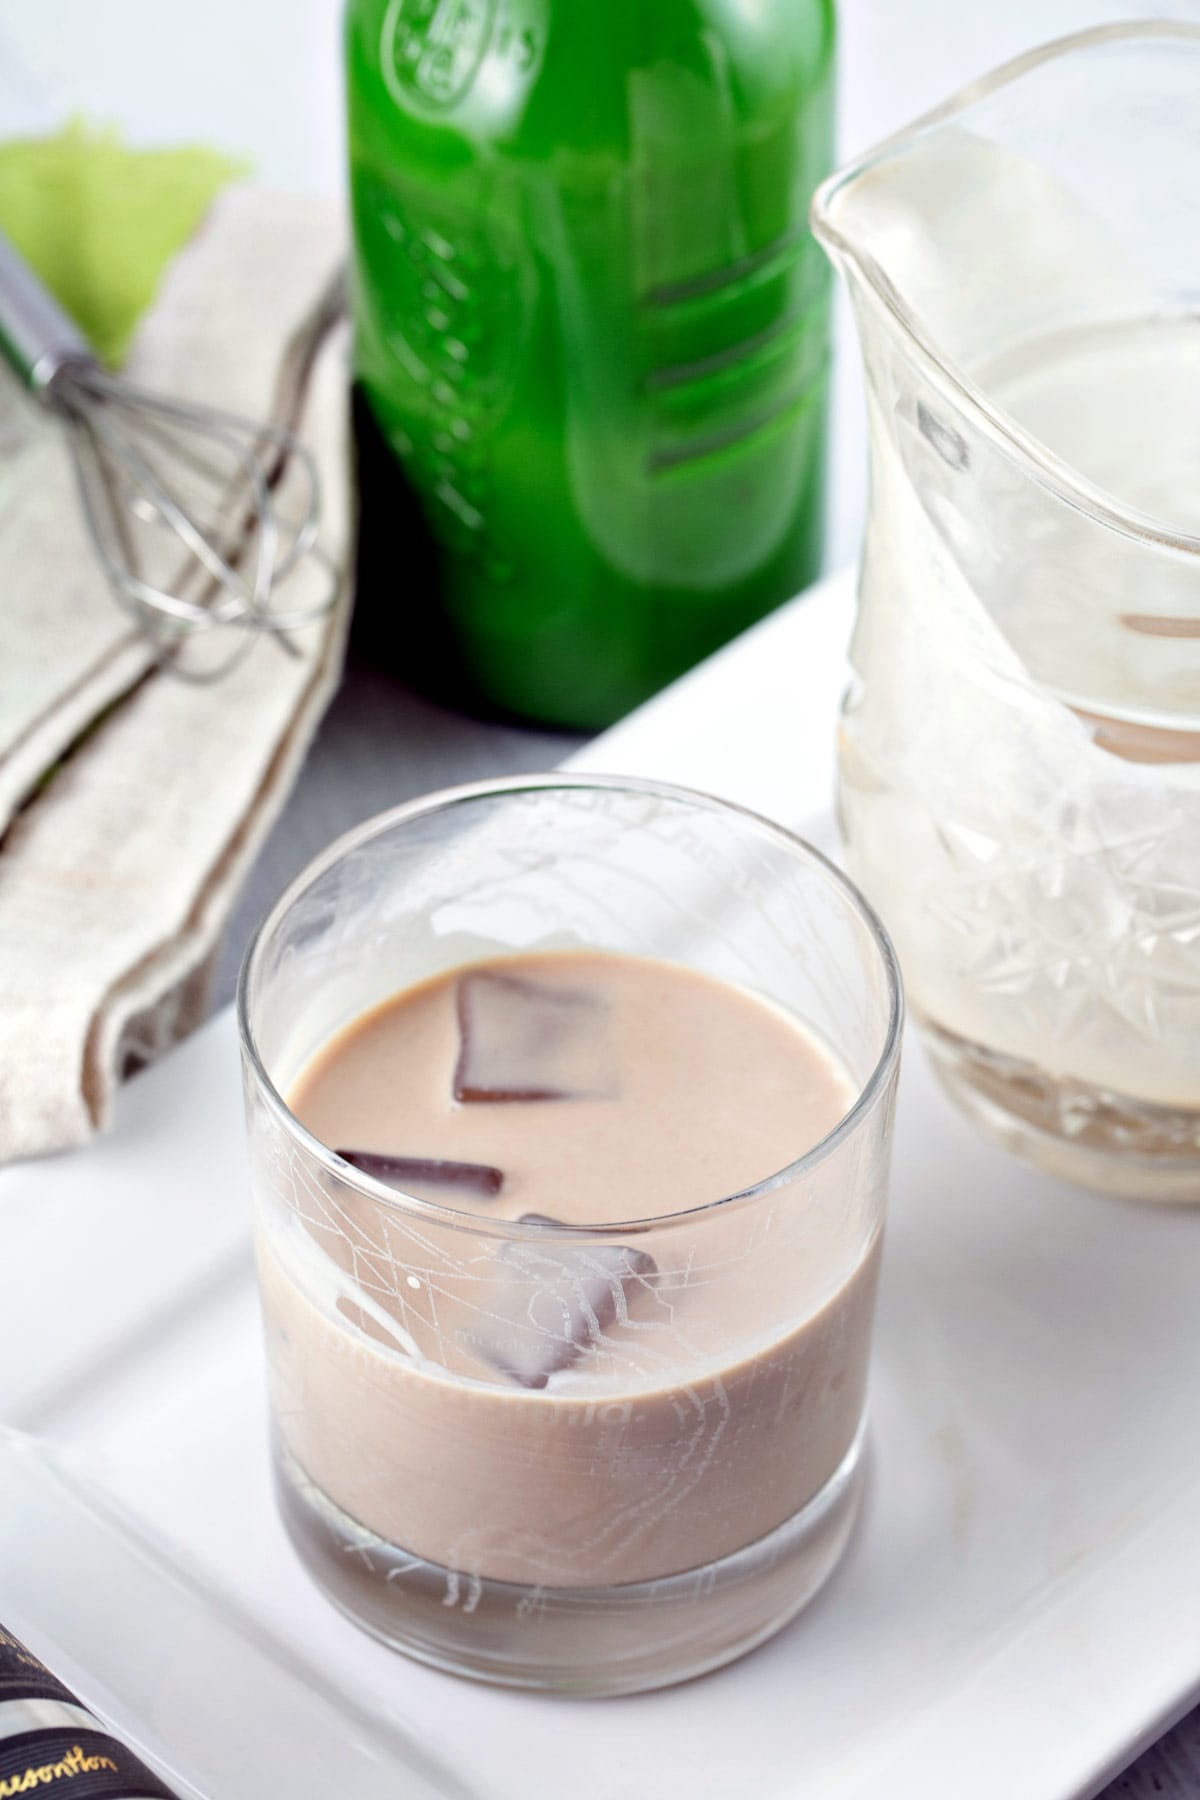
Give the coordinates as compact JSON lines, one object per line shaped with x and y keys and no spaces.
{"x":118,"y":871}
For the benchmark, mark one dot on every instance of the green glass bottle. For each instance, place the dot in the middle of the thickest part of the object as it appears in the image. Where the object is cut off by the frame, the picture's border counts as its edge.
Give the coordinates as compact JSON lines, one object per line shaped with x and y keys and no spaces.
{"x":592,"y":325}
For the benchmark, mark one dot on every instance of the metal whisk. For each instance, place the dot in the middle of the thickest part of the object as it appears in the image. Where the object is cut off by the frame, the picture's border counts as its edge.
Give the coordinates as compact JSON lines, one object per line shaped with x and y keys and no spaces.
{"x":181,"y":499}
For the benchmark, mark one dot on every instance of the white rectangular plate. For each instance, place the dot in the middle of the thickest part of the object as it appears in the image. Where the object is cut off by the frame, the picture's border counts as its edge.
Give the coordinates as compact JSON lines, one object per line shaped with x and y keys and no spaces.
{"x":1017,"y":1614}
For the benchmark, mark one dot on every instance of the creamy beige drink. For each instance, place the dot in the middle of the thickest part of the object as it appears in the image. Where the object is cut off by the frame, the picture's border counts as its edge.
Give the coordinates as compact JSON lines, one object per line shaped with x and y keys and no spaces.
{"x":569,"y":1107}
{"x":560,"y":1411}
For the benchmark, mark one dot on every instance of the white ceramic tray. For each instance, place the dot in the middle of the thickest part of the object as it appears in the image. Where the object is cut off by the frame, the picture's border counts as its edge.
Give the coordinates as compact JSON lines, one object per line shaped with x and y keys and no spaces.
{"x":1018,"y":1612}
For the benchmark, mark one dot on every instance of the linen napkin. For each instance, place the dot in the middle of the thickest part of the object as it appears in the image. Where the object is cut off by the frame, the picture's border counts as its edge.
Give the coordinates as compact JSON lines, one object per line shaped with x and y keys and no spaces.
{"x":131,"y":803}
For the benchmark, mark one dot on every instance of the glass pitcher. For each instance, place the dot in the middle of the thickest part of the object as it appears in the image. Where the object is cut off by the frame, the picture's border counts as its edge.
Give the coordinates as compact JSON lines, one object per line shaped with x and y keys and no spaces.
{"x":1020,"y":743}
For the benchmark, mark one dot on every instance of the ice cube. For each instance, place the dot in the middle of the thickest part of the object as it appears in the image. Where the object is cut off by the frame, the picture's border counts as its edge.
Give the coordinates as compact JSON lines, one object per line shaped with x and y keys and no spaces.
{"x":480,"y":1180}
{"x":555,"y":1302}
{"x":521,"y":1039}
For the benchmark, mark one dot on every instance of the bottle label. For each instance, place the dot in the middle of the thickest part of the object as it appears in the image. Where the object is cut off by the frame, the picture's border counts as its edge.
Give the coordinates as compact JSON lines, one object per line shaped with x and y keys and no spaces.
{"x":23,"y":1677}
{"x":49,"y":1741}
{"x":89,"y":1764}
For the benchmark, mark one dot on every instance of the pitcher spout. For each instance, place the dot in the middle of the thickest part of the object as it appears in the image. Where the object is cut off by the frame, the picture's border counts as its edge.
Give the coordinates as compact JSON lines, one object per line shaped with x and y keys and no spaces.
{"x":1027,"y":319}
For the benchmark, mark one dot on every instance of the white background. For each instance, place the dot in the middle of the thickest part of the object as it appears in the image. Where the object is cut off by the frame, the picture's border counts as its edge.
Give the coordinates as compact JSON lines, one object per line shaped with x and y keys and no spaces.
{"x":263,"y":77}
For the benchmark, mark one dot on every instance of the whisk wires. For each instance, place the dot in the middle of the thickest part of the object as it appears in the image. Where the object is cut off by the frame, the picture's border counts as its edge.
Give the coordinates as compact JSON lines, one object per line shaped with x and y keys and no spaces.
{"x":199,"y":516}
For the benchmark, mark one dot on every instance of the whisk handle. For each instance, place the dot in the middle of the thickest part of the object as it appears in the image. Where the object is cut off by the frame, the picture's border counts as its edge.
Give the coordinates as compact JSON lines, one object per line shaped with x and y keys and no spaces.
{"x":36,"y":336}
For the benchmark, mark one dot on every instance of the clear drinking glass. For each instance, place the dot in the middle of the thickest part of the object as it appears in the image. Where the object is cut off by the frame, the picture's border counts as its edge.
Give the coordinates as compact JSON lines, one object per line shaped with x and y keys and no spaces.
{"x":1020,"y":744}
{"x":676,"y":1507}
